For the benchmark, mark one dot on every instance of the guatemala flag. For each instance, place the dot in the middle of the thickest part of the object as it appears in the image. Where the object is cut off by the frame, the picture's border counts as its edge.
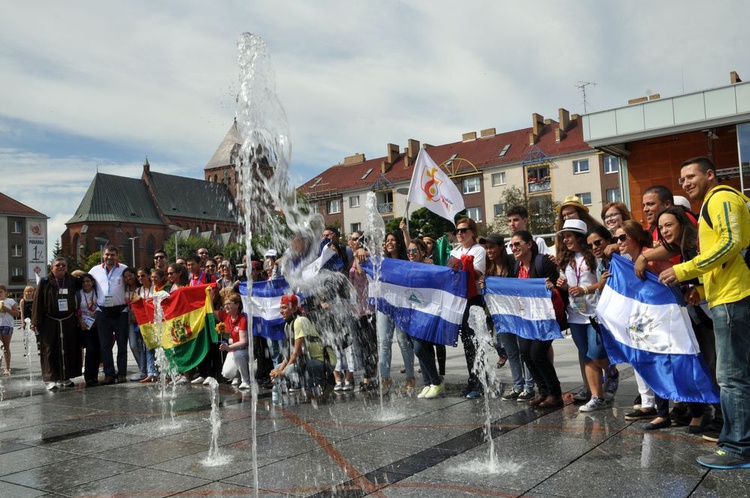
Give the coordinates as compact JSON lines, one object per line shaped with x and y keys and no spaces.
{"x":643,"y":325}
{"x":425,"y":301}
{"x":521,"y":306}
{"x":264,"y":307}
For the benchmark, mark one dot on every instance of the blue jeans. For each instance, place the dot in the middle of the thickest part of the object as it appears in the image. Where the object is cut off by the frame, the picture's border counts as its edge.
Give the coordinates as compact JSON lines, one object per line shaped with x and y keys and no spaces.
{"x":522,"y":380}
{"x":106,"y":327}
{"x":138,"y":348}
{"x":425,"y":351}
{"x":385,"y":328}
{"x":732,"y":331}
{"x":276,"y":350}
{"x":589,"y":343}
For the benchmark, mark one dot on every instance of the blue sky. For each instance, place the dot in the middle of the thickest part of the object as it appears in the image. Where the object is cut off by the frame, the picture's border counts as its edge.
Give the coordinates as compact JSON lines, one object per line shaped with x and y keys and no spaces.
{"x":87,"y":85}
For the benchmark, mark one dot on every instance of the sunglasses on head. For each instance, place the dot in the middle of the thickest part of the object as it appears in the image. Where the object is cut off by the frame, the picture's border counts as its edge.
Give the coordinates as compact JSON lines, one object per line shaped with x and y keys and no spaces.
{"x":596,"y":243}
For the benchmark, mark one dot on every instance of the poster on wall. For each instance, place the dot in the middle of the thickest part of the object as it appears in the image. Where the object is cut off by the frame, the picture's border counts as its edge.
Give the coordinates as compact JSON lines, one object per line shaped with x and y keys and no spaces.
{"x":36,"y":243}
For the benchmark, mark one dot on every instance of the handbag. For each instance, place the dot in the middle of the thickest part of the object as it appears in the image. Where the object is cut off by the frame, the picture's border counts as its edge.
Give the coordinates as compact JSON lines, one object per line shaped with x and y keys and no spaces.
{"x":229,"y":370}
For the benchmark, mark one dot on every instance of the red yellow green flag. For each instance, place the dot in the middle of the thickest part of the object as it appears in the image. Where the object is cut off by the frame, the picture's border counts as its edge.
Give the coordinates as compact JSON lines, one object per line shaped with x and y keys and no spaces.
{"x":187,"y":329}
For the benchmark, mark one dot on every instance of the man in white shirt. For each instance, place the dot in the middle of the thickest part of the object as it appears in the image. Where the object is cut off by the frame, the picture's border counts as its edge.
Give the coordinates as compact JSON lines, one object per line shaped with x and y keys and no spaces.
{"x":518,"y":219}
{"x":111,"y":315}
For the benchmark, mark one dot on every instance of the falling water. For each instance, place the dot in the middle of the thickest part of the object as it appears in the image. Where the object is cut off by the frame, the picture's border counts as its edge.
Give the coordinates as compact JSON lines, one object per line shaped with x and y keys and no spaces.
{"x":215,"y":458}
{"x":165,"y":366}
{"x":28,"y":339}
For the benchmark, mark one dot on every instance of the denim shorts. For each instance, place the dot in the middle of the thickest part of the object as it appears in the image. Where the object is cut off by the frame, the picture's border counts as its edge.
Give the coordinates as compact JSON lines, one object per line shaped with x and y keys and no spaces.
{"x":588,"y":342}
{"x":6,"y":330}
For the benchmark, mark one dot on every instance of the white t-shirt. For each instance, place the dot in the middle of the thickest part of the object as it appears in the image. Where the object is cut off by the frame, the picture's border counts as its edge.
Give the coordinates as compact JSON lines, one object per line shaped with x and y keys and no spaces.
{"x":480,"y":257}
{"x":581,"y":307}
{"x":6,"y":319}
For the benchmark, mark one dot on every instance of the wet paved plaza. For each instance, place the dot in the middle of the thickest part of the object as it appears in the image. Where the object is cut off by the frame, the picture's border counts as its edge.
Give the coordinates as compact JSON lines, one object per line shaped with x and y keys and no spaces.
{"x":121,"y":441}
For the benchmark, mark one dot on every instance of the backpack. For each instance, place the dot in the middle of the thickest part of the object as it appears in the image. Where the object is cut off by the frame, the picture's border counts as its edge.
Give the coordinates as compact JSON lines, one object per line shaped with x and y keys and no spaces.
{"x":704,"y":214}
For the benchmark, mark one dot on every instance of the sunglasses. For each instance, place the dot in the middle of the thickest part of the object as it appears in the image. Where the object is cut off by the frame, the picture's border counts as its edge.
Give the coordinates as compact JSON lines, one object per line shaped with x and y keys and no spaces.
{"x":413,"y":251}
{"x":160,"y":257}
{"x":515,"y":244}
{"x":620,"y":238}
{"x":60,"y":266}
{"x":462,"y":230}
{"x":354,"y":239}
{"x":596,"y":243}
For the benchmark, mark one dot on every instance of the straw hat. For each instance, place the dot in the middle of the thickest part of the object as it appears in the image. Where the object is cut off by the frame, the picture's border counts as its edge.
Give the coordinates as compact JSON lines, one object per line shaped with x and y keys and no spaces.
{"x":572,"y":200}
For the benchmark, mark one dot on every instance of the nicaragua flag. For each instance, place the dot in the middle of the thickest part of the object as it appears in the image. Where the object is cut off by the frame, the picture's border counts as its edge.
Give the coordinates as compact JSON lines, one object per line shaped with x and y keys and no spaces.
{"x":643,"y":325}
{"x":264,"y":307}
{"x":521,"y":306}
{"x":425,"y":301}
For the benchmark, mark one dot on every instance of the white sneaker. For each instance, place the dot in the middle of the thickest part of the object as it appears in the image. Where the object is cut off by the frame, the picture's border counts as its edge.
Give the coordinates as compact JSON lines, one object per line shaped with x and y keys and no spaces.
{"x":245,"y":385}
{"x":424,"y":391}
{"x":180,"y":380}
{"x":593,"y":405}
{"x":51,"y":386}
{"x":198,"y":380}
{"x":348,"y":386}
{"x":207,"y":381}
{"x":339,"y":386}
{"x":235,"y":381}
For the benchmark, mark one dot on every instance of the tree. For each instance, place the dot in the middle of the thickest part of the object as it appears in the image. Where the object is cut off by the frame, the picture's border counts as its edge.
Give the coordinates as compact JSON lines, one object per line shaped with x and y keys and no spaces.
{"x":188,"y":246}
{"x":541,"y":208}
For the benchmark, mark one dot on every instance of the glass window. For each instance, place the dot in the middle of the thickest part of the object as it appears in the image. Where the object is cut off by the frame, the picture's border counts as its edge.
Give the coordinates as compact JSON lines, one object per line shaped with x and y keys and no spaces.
{"x":471,"y":185}
{"x":17,"y":272}
{"x":611,"y":164}
{"x":580,"y":166}
{"x":355,"y":227}
{"x":613,"y":195}
{"x":17,"y":227}
{"x":475,"y":213}
{"x":17,"y":250}
{"x":585,"y":198}
{"x":498,"y":179}
{"x":354,"y":201}
{"x":499,"y":209}
{"x":334,"y":206}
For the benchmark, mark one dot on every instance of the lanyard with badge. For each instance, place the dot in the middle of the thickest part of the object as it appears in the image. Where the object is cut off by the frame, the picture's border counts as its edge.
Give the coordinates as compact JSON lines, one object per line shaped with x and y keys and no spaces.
{"x":109,"y":300}
{"x":579,"y":303}
{"x":62,"y":302}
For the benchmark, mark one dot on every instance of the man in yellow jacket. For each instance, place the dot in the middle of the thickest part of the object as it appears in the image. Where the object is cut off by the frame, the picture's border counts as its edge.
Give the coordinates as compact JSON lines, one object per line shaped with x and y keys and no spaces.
{"x":723,"y":232}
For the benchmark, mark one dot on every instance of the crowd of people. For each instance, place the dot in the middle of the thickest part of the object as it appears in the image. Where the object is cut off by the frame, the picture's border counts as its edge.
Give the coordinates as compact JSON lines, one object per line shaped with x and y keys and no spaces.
{"x":699,"y":253}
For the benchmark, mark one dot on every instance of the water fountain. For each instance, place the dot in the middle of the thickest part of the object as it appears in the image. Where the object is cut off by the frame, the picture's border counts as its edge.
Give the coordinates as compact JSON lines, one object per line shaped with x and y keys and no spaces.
{"x":28,"y":339}
{"x":215,"y":458}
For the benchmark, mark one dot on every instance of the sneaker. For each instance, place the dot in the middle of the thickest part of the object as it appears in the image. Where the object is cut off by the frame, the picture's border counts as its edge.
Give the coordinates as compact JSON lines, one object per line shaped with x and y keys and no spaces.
{"x":475,"y":394}
{"x":348,"y":386}
{"x":612,"y":382}
{"x":641,"y":414}
{"x":435,"y":391}
{"x":207,"y":381}
{"x":67,"y":383}
{"x":710,"y":435}
{"x":424,"y":391}
{"x":51,"y":386}
{"x":582,"y":396}
{"x":525,"y":396}
{"x":339,"y":386}
{"x":235,"y":381}
{"x":723,"y":460}
{"x":466,"y":390}
{"x":180,"y":380}
{"x":245,"y":385}
{"x":593,"y":405}
{"x":198,"y":380}
{"x":511,"y":396}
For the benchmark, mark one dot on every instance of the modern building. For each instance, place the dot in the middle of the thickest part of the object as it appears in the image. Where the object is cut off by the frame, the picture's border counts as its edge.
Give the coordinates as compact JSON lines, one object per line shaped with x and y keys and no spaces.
{"x":547,"y":161}
{"x":23,"y":244}
{"x":652,"y":136}
{"x":138,"y":214}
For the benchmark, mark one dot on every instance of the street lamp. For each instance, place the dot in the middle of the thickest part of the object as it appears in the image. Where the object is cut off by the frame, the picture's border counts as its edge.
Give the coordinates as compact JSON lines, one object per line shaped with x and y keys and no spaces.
{"x":102,"y":242}
{"x":176,"y":230}
{"x":132,"y":241}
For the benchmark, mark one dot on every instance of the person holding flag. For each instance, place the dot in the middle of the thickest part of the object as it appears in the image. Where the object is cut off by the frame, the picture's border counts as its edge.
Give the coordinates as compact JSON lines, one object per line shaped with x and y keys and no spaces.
{"x":430,"y":187}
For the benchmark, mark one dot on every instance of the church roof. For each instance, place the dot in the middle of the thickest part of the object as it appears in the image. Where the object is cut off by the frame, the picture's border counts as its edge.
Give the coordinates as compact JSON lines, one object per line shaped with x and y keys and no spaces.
{"x":226,"y":149}
{"x":113,"y":198}
{"x":192,"y":198}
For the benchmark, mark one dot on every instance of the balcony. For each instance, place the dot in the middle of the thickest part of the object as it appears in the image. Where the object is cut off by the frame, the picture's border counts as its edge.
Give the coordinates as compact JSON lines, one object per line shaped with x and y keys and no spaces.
{"x":542,"y":185}
{"x":385,"y":207}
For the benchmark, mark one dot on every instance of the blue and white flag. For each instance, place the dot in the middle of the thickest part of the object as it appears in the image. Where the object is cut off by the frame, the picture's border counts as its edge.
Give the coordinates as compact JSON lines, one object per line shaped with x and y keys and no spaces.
{"x":425,"y":301}
{"x":264,"y":306}
{"x":643,"y":325}
{"x":521,"y":306}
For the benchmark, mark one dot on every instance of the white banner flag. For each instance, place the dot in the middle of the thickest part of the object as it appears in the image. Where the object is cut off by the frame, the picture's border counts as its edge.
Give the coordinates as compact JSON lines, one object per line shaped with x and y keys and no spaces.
{"x":431,"y":188}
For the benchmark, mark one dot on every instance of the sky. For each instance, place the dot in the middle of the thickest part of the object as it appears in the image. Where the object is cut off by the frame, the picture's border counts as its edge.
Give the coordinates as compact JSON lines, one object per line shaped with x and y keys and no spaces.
{"x":93,"y":86}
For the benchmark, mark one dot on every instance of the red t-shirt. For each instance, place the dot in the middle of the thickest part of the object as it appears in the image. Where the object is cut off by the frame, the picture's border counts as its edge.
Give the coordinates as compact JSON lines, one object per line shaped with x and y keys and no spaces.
{"x":234,"y":326}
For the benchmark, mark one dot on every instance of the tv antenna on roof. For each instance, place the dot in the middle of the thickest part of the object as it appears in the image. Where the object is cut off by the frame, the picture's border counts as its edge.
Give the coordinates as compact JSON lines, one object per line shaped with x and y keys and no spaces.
{"x":582,"y":88}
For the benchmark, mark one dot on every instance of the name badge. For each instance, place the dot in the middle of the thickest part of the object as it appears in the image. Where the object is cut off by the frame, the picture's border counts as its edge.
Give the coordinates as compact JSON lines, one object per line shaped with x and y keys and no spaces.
{"x":64,"y":292}
{"x":62,"y":305}
{"x":109,"y":301}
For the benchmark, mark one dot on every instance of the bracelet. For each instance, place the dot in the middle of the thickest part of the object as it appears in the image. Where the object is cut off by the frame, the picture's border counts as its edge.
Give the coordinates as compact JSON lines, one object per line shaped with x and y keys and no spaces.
{"x":585,"y":291}
{"x":645,"y":258}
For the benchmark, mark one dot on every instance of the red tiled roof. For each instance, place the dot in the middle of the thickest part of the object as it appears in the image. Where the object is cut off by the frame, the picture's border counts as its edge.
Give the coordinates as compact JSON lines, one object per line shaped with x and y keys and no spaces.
{"x":9,"y":206}
{"x":482,"y":152}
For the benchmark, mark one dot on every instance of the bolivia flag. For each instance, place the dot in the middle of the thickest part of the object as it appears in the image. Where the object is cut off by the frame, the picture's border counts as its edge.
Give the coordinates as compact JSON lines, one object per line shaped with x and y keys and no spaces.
{"x":187,"y":314}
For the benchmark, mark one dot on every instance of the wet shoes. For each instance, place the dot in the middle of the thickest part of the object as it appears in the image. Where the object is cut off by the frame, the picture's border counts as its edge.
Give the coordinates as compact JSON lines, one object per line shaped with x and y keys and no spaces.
{"x":593,"y":405}
{"x":723,"y":460}
{"x":435,"y":391}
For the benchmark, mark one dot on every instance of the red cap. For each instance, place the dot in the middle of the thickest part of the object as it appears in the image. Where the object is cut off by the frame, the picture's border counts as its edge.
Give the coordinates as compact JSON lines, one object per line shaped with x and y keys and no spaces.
{"x":289,"y":299}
